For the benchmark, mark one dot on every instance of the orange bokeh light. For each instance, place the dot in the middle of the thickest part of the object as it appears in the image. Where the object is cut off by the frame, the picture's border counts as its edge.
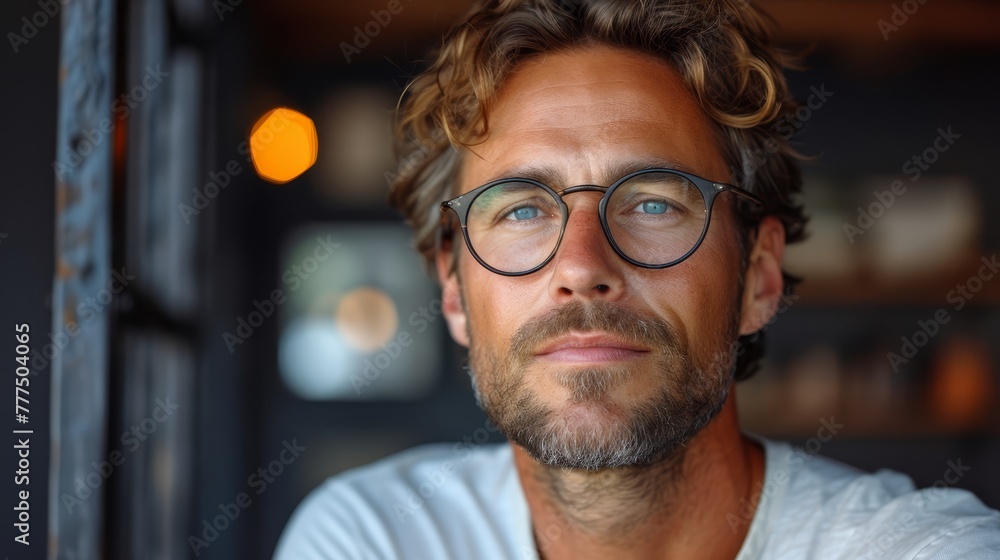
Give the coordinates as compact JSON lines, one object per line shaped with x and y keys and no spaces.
{"x":283,"y":145}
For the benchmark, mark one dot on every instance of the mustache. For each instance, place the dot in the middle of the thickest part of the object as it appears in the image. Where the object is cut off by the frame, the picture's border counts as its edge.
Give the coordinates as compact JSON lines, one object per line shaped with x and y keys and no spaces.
{"x":630,"y":326}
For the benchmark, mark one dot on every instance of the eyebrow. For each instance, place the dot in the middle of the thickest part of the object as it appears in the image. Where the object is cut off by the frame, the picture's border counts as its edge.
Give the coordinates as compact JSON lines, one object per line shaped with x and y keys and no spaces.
{"x":548,"y":174}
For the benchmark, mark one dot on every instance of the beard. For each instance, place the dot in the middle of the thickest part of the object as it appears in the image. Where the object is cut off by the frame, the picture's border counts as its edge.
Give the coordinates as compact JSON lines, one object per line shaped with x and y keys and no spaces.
{"x":653,"y":428}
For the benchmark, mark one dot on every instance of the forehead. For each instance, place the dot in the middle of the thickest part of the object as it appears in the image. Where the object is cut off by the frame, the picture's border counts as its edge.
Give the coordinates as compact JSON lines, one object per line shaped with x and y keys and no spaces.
{"x":578,"y":115}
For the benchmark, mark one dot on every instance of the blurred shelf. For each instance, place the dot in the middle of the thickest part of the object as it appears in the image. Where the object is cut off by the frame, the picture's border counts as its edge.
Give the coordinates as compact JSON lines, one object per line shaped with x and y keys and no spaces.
{"x":874,"y":426}
{"x":866,"y":288}
{"x":769,"y":410}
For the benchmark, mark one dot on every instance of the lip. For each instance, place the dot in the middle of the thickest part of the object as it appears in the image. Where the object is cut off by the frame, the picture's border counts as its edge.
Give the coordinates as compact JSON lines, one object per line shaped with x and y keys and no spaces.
{"x":590,"y":347}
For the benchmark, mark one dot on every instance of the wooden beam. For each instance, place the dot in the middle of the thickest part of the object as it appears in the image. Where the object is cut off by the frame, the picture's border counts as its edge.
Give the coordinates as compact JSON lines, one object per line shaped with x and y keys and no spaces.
{"x":79,"y":367}
{"x":856,"y":22}
{"x":316,"y":29}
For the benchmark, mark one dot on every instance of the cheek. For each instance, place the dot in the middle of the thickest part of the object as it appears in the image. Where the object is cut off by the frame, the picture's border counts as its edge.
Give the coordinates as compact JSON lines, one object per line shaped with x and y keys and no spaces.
{"x":718,"y":275}
{"x":496,"y":305}
{"x":721,"y":282}
{"x":698,"y":297}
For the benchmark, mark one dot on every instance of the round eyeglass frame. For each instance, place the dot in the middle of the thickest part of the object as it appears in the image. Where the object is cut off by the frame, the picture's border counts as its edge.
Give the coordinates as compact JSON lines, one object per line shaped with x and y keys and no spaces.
{"x":709,"y":191}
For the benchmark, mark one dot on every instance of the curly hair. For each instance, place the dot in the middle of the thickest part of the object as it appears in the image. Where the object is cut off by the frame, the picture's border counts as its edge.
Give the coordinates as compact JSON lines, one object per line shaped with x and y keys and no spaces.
{"x":722,"y":50}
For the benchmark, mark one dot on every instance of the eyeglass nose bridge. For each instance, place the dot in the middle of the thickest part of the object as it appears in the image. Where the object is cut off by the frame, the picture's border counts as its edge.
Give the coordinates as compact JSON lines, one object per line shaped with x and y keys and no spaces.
{"x":582,"y":188}
{"x":600,"y":210}
{"x":587,"y":188}
{"x":600,"y":215}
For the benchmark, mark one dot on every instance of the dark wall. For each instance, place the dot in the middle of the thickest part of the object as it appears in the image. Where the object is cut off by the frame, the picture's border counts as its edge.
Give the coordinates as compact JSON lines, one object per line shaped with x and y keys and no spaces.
{"x":28,"y":88}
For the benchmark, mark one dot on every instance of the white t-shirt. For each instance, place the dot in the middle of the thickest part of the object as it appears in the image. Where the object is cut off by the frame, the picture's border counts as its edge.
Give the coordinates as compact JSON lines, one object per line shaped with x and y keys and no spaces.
{"x":451,"y":501}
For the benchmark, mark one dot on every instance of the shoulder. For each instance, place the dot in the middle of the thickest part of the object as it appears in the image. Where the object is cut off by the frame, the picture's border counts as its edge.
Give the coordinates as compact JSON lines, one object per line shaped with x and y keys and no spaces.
{"x":412,"y":502}
{"x":825,"y":509}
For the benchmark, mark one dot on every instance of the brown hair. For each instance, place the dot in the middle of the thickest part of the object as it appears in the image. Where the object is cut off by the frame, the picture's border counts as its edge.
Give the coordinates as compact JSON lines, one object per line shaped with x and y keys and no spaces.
{"x":721,"y":48}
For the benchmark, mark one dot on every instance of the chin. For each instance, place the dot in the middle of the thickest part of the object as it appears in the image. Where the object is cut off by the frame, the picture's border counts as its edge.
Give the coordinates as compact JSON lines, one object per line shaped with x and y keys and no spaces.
{"x":595,"y":434}
{"x":602,"y":415}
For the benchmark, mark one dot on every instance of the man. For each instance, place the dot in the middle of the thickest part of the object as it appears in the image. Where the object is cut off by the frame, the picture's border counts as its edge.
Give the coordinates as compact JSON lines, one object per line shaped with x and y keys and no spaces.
{"x":616,"y":206}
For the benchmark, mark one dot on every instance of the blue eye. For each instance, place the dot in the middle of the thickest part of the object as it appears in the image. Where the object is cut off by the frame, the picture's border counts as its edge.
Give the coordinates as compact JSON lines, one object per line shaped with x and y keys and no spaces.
{"x":654,"y":207}
{"x":525,"y":213}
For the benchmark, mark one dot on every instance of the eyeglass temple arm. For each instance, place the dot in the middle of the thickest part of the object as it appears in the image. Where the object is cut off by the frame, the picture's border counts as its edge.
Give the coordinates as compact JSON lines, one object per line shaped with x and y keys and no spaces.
{"x":447,"y":224}
{"x":738,"y":192}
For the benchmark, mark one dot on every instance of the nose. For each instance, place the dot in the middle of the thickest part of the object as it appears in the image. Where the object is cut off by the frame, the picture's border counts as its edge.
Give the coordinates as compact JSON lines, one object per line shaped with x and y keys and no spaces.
{"x":585,"y":266}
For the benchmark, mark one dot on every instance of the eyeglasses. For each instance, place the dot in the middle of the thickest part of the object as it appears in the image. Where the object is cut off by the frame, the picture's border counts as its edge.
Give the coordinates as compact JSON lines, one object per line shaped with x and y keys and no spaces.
{"x":653,"y":218}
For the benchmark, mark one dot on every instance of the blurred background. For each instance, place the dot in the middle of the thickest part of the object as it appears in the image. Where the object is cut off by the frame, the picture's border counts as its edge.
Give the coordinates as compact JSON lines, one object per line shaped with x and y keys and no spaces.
{"x":200,"y":240}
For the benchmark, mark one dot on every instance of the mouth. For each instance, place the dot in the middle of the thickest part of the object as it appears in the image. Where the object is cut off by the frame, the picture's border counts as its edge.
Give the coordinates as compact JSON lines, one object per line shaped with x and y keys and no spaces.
{"x":590,"y":348}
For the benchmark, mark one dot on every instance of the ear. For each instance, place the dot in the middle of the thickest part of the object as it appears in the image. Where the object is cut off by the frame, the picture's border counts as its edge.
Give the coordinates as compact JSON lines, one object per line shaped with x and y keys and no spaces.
{"x":451,"y":295}
{"x":764,"y":284}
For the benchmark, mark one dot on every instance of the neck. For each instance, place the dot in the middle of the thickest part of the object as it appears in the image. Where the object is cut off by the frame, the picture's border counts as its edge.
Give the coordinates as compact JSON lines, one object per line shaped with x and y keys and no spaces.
{"x":677,"y":507}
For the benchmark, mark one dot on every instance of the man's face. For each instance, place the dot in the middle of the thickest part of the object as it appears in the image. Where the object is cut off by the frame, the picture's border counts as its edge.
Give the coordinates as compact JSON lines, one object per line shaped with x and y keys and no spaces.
{"x":592,"y":362}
